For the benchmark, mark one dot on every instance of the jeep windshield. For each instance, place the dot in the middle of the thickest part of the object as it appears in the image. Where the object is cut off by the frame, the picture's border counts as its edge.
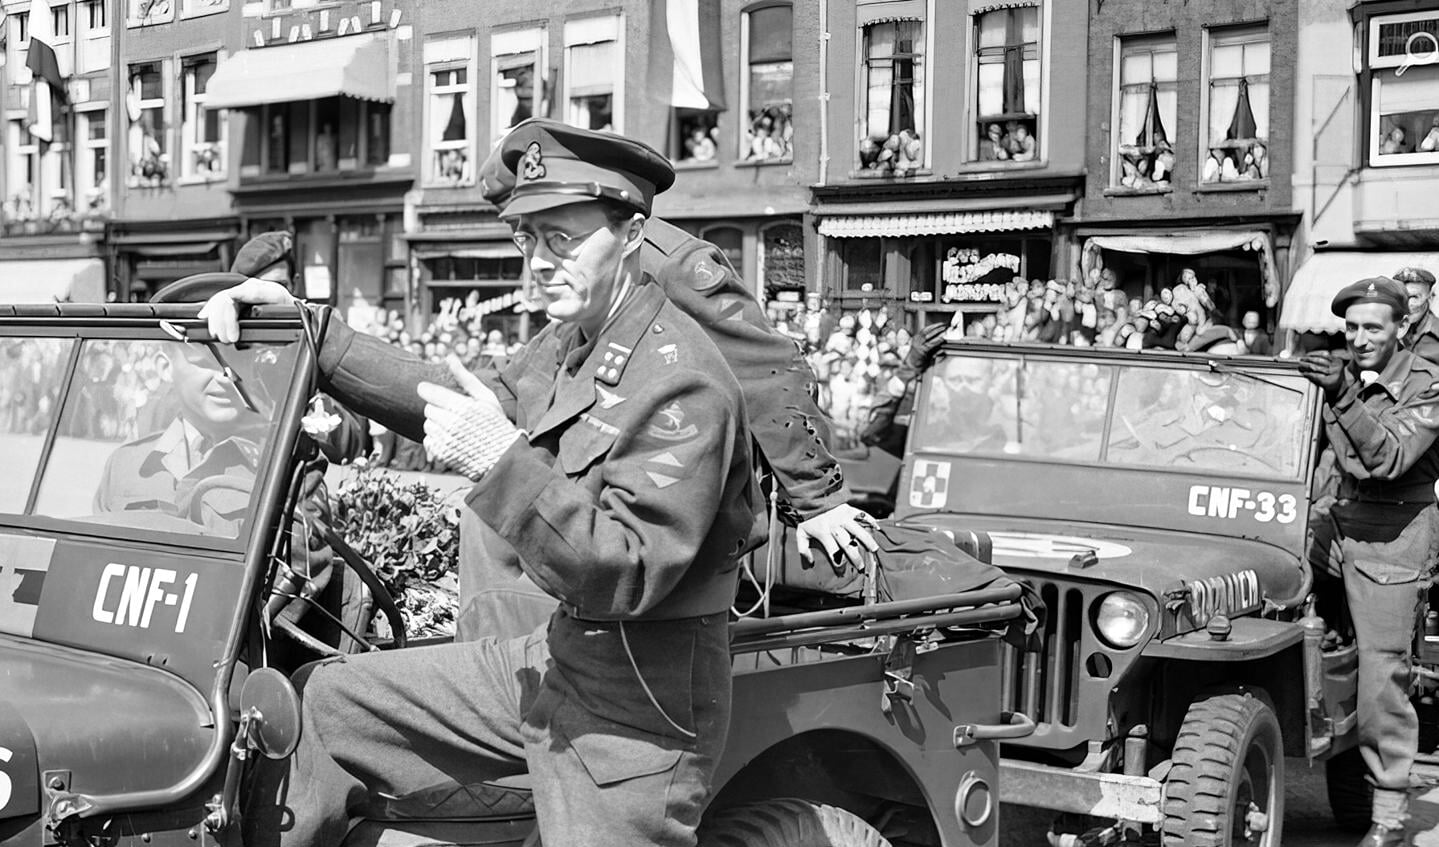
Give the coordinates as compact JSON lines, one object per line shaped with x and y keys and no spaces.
{"x":1180,"y":415}
{"x":155,"y":434}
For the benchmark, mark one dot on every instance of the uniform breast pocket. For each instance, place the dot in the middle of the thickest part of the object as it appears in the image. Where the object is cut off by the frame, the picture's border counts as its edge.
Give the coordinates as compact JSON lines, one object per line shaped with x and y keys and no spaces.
{"x":585,"y":443}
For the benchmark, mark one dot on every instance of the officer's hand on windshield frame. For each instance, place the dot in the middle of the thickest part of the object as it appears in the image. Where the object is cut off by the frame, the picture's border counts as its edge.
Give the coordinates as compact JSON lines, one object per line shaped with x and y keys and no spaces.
{"x":221,"y":311}
{"x":926,"y":344}
{"x":841,"y":532}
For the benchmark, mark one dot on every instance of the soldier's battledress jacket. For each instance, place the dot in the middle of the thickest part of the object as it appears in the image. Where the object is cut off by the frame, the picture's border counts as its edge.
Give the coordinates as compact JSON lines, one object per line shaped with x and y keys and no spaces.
{"x":1382,"y":432}
{"x":1422,"y":339}
{"x":792,"y":432}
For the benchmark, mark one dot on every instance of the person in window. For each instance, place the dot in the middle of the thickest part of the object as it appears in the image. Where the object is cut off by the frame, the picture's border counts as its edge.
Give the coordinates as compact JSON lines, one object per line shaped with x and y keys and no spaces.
{"x":994,"y":146}
{"x":1396,"y":141}
{"x":1430,"y":142}
{"x":1021,"y":143}
{"x":699,"y":147}
{"x":1253,"y":340}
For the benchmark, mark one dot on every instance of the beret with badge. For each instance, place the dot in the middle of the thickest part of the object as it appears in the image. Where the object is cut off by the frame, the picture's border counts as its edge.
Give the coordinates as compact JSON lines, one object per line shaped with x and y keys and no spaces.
{"x":263,"y":252}
{"x":1418,"y":275}
{"x":1378,"y":289}
{"x":555,"y":164}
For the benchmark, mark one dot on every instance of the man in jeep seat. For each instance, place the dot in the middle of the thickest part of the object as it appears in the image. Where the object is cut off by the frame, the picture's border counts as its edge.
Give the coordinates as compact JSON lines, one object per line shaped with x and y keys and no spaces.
{"x":1381,"y":417}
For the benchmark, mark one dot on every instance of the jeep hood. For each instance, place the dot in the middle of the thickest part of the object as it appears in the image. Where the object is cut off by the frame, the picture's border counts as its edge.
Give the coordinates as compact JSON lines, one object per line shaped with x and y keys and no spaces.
{"x":114,"y":726}
{"x":1151,"y":560}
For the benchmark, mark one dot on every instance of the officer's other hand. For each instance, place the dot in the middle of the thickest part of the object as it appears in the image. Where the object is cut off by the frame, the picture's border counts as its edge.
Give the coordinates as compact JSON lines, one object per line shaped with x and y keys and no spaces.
{"x":1325,"y":371}
{"x":841,"y":532}
{"x":926,"y":344}
{"x":221,"y":311}
{"x":469,"y":431}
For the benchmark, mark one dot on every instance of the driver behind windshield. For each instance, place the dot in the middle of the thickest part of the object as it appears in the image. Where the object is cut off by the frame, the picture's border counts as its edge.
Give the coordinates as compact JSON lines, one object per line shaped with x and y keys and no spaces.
{"x":1200,"y":409}
{"x":215,"y":436}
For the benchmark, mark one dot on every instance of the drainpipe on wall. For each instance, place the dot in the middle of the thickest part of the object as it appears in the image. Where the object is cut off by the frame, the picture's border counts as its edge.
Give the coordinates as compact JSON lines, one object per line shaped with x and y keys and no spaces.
{"x":823,"y":131}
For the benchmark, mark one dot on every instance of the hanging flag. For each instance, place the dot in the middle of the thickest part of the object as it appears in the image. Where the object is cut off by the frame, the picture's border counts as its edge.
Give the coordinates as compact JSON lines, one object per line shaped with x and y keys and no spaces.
{"x":45,"y":66}
{"x":685,"y":66}
{"x":1242,"y":127}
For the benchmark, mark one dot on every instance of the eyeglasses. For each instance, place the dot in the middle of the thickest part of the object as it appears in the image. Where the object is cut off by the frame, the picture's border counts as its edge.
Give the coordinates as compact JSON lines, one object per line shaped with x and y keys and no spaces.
{"x":559,"y":243}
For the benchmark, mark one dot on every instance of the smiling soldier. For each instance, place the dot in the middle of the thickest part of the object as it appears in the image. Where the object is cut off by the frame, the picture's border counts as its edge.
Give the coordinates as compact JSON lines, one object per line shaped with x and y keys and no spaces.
{"x":1381,"y":416}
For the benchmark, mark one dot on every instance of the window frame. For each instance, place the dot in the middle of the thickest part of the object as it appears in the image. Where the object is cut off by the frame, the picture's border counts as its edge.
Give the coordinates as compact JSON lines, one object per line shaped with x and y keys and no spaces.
{"x":617,"y":91}
{"x":162,"y":104}
{"x":1228,"y":35}
{"x":742,"y":140}
{"x":85,"y":147}
{"x":87,"y":16}
{"x":192,"y":113}
{"x":1168,"y":37}
{"x":57,"y":14}
{"x":919,"y":83}
{"x":1040,"y":134}
{"x":17,"y":152}
{"x":1374,"y":70}
{"x":262,"y":170}
{"x":538,"y":36}
{"x":131,"y":20}
{"x":433,"y":147}
{"x":189,"y":10}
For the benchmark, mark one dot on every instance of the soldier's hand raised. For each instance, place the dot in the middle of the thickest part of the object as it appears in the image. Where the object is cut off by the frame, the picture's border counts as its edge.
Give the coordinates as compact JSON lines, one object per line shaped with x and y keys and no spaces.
{"x":1325,"y":371}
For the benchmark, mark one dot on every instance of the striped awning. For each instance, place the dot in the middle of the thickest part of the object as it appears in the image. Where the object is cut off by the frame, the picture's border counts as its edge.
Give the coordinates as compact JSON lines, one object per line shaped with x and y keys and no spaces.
{"x":938,"y":223}
{"x":354,"y":66}
{"x":1323,"y":274}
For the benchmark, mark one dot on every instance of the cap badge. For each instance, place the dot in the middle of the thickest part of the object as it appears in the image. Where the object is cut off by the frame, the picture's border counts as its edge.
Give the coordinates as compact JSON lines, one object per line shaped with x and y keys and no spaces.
{"x":1370,"y":289}
{"x":532,"y":165}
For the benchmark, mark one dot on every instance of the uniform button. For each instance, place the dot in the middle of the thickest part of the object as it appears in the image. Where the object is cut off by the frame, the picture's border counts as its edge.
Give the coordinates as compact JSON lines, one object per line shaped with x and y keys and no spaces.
{"x":609,"y":356}
{"x":619,"y":360}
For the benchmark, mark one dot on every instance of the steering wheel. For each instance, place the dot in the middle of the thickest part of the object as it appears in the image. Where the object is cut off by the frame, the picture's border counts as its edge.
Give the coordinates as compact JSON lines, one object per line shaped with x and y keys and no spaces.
{"x":223,"y":482}
{"x":1242,"y":456}
{"x":196,"y":288}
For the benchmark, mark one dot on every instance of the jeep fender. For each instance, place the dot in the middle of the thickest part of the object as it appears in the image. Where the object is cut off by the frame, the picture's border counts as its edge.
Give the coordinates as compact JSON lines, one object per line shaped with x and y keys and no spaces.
{"x":1249,"y":639}
{"x":19,"y":765}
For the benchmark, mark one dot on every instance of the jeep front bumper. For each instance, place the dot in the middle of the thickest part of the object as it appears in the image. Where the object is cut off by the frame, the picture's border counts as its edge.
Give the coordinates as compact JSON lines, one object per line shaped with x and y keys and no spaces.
{"x":1103,"y":795}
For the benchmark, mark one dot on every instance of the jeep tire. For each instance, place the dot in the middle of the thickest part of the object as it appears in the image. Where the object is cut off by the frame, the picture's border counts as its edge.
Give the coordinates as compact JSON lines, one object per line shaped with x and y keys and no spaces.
{"x":1351,"y":797}
{"x":788,"y":822}
{"x":1226,"y":783}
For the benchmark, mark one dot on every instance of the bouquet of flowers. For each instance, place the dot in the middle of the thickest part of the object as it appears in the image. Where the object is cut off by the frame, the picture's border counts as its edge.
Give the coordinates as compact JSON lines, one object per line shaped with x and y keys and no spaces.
{"x":411,"y":535}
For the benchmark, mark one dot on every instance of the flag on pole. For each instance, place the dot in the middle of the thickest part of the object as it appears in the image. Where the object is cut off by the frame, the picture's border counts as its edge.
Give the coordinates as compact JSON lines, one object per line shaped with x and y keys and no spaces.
{"x":685,"y":66}
{"x":45,"y":66}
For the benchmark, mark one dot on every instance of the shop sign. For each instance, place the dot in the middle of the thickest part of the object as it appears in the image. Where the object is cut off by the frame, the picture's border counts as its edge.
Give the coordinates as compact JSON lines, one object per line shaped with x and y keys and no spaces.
{"x":921,"y":296}
{"x":963,"y":270}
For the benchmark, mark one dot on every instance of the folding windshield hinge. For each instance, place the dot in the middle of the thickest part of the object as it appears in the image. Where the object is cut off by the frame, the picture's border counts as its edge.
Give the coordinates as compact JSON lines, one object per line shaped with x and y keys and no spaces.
{"x":898,"y":674}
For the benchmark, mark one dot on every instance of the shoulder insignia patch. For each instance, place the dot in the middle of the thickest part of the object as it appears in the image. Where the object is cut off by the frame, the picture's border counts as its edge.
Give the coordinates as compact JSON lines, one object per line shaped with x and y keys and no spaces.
{"x":669,"y":424}
{"x":705,"y":273}
{"x":671,"y":353}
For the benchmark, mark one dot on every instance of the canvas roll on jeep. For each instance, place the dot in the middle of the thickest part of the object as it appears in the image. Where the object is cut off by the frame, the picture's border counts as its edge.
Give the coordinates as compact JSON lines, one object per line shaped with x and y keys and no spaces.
{"x":154,"y":488}
{"x":1161,"y":505}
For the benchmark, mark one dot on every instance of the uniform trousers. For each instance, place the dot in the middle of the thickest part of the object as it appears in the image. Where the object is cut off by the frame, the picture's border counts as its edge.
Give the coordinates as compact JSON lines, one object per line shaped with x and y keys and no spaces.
{"x":1388,"y":555}
{"x":394,"y":729}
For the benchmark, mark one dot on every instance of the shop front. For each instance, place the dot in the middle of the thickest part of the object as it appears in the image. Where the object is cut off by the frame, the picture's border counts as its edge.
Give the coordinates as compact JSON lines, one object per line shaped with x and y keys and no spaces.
{"x":48,"y":270}
{"x":148,"y":255}
{"x":466,"y":269}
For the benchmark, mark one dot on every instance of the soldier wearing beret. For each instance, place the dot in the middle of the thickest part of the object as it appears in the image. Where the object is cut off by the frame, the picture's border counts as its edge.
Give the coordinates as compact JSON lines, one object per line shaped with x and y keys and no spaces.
{"x":611,"y":457}
{"x":1422,"y":339}
{"x":1381,"y":417}
{"x":269,"y":255}
{"x":790,"y":430}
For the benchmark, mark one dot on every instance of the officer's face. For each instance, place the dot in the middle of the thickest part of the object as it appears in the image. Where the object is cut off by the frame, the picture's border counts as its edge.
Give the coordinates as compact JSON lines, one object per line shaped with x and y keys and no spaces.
{"x":1373,"y":334}
{"x":208,"y":398}
{"x":1419,"y":294}
{"x":574,"y":256}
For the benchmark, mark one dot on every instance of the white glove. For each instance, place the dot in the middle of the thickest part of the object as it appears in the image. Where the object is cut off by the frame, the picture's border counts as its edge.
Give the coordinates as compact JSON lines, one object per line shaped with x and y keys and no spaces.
{"x":469,"y":431}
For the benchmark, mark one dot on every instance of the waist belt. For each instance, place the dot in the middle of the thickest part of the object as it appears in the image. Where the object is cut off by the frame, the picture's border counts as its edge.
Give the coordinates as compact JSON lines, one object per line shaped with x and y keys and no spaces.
{"x":701,"y":592}
{"x":1375,"y":491}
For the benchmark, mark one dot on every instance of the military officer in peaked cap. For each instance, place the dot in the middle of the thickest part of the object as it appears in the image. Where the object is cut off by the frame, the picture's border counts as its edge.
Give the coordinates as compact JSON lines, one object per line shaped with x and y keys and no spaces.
{"x":1422,"y":339}
{"x":611,"y":457}
{"x":791,"y":432}
{"x":1381,"y":416}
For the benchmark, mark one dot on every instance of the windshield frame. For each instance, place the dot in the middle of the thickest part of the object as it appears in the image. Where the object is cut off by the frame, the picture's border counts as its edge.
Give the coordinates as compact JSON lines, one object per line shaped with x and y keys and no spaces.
{"x":1120,"y":361}
{"x":79,"y":331}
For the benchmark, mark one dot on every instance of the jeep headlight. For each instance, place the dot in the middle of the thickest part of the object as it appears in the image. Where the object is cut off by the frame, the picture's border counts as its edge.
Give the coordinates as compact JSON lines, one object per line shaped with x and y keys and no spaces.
{"x":1122,"y":619}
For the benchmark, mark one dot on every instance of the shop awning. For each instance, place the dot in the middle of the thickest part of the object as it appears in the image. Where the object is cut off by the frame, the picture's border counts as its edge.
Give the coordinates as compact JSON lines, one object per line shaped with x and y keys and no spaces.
{"x":1306,"y":303}
{"x":938,"y":223}
{"x":498,"y":250}
{"x":51,"y":280}
{"x":355,"y":66}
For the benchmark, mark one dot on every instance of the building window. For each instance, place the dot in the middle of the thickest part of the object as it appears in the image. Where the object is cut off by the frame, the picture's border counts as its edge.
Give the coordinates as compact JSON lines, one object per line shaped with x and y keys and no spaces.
{"x":693,"y":135}
{"x":594,"y":70}
{"x":93,"y":18}
{"x":517,"y":79}
{"x":92,"y":180}
{"x":450,"y":130}
{"x":1237,"y":105}
{"x":277,"y":139}
{"x":145,"y":101}
{"x":767,"y":94}
{"x":147,"y":12}
{"x":1146,"y":104}
{"x":22,"y":172}
{"x":377,"y":134}
{"x":451,"y":126}
{"x":782,"y":258}
{"x":892,"y":85}
{"x":1404,"y":90}
{"x":20,"y":25}
{"x":60,"y":21}
{"x":1007,"y":100}
{"x":326,"y":136}
{"x":202,"y":131}
{"x":196,"y":8}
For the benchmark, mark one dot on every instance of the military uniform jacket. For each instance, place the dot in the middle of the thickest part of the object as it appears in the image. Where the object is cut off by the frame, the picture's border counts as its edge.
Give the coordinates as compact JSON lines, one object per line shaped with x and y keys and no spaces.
{"x":792,"y":433}
{"x":1423,"y":339}
{"x":1384,"y":432}
{"x":632,"y":494}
